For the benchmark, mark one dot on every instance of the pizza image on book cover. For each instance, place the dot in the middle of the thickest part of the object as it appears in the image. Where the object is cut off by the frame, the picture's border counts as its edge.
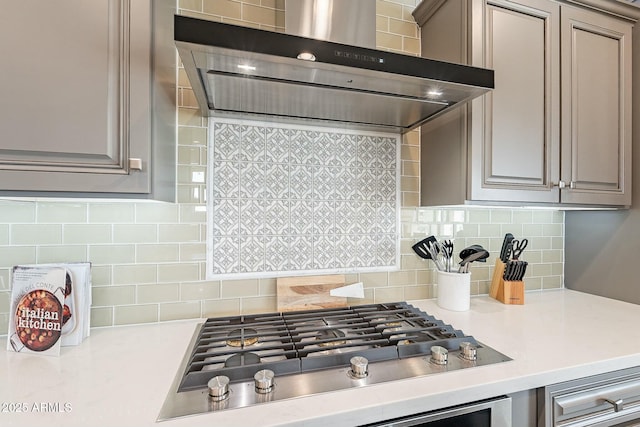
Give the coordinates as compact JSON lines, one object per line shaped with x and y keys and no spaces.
{"x":36,"y":314}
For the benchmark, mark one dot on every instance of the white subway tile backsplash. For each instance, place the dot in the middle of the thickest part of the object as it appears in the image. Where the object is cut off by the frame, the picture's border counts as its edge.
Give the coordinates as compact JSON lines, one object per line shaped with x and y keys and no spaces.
{"x":402,"y":278}
{"x":156,"y":212}
{"x":5,"y":297}
{"x":263,"y":304}
{"x":132,"y":314}
{"x":12,"y":212}
{"x":239,"y":288}
{"x":522,"y":216}
{"x":533,"y":230}
{"x":480,"y":216}
{"x":135,"y":233}
{"x":14,"y":255}
{"x":197,"y":291}
{"x":158,"y":253}
{"x":489,"y":229}
{"x":501,"y":216}
{"x":180,"y":310}
{"x":33,"y":234}
{"x":542,"y":217}
{"x":191,"y":174}
{"x":101,"y":316}
{"x":100,"y":275}
{"x":158,"y":292}
{"x":190,"y":117}
{"x":552,"y":229}
{"x":113,"y":295}
{"x":192,"y":193}
{"x":515,"y":228}
{"x":87,"y":233}
{"x":221,"y":307}
{"x":111,"y":213}
{"x":193,"y":252}
{"x":191,"y":155}
{"x":192,"y":136}
{"x":56,"y":212}
{"x":178,"y":272}
{"x":419,"y":292}
{"x":132,"y":274}
{"x":389,"y":294}
{"x":267,"y":286}
{"x":5,"y":283}
{"x":4,"y":234}
{"x":112,"y":254}
{"x":61,"y":253}
{"x":193,"y":214}
{"x":551,"y":282}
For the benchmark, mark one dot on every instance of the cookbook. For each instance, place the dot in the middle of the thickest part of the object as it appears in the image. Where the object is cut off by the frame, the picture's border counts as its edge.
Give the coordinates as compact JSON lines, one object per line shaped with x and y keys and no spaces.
{"x":50,"y":307}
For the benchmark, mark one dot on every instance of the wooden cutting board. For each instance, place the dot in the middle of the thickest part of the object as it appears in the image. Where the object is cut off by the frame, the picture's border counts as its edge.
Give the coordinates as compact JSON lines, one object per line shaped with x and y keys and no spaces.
{"x":309,"y":292}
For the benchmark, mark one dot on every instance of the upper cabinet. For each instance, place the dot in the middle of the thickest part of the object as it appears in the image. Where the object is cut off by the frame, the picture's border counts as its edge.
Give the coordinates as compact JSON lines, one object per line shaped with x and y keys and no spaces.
{"x":557,"y":127}
{"x":88,"y":99}
{"x":596,"y":108}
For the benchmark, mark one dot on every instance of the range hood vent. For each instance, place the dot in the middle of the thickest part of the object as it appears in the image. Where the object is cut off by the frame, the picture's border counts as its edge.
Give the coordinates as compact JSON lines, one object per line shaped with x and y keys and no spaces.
{"x":249,"y":73}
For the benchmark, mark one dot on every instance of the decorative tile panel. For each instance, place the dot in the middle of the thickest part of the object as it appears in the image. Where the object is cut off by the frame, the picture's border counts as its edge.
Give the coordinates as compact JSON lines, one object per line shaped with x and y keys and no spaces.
{"x":300,"y":200}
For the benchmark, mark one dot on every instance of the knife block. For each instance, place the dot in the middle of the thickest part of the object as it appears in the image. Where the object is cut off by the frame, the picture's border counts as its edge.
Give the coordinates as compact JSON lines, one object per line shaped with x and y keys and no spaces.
{"x":505,"y":291}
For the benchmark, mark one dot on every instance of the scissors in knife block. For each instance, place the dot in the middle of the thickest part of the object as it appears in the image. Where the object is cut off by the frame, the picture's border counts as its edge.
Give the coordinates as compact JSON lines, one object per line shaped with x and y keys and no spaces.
{"x":517,"y":247}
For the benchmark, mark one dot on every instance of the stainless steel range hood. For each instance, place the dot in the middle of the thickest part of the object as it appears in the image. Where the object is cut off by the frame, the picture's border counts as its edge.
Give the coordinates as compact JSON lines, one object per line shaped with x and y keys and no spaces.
{"x":245,"y":72}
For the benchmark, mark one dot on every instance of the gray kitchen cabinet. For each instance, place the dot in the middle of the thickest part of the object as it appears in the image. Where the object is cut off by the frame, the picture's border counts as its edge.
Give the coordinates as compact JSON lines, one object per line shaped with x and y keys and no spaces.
{"x":527,"y":142}
{"x":88,"y":99}
{"x":596,"y":107}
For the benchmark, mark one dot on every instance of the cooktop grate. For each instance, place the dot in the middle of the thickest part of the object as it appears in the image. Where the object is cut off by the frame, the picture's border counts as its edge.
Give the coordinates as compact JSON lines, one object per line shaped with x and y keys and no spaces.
{"x":304,"y":341}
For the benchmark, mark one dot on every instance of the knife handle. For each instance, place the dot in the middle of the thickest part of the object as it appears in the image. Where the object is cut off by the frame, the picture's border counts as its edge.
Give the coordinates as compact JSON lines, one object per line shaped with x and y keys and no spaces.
{"x":505,"y":251}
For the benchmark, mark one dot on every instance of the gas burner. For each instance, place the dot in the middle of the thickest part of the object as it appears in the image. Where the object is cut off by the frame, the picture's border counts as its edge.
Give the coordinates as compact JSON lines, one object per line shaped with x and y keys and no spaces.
{"x":330,"y":337}
{"x":242,"y":359}
{"x":443,"y":333}
{"x":387,"y":324}
{"x":238,"y":338}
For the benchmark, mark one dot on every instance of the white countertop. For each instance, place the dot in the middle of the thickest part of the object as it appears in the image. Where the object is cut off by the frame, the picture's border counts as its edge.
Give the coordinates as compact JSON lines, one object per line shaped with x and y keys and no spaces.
{"x":121,"y":376}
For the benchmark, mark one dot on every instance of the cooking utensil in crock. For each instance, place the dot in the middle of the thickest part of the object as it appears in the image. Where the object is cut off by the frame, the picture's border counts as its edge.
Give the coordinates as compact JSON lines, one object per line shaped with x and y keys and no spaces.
{"x":470,"y":250}
{"x":427,"y":248}
{"x":464,"y":264}
{"x":422,"y":247}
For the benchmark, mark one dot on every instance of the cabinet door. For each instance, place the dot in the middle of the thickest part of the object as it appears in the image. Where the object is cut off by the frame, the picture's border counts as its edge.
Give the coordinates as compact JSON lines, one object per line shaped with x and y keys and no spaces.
{"x":515,"y":128}
{"x":76,"y":95}
{"x":596,"y":108}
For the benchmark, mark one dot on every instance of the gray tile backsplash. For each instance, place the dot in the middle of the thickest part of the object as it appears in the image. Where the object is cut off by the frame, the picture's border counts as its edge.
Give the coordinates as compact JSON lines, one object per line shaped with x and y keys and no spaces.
{"x":300,"y":200}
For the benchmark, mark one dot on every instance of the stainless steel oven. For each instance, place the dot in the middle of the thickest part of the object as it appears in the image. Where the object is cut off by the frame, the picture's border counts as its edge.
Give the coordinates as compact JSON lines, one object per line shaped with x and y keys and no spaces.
{"x":487,"y":413}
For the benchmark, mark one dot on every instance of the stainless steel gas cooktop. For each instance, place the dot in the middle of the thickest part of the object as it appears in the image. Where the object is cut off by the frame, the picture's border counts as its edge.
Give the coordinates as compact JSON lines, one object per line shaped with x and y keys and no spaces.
{"x":239,"y":361}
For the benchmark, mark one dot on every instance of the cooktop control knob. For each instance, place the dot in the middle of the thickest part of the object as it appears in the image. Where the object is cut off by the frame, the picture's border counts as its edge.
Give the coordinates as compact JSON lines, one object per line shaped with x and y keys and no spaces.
{"x":439,"y":355}
{"x":264,"y":381}
{"x":359,"y":366}
{"x":218,"y":388}
{"x":468,"y":351}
